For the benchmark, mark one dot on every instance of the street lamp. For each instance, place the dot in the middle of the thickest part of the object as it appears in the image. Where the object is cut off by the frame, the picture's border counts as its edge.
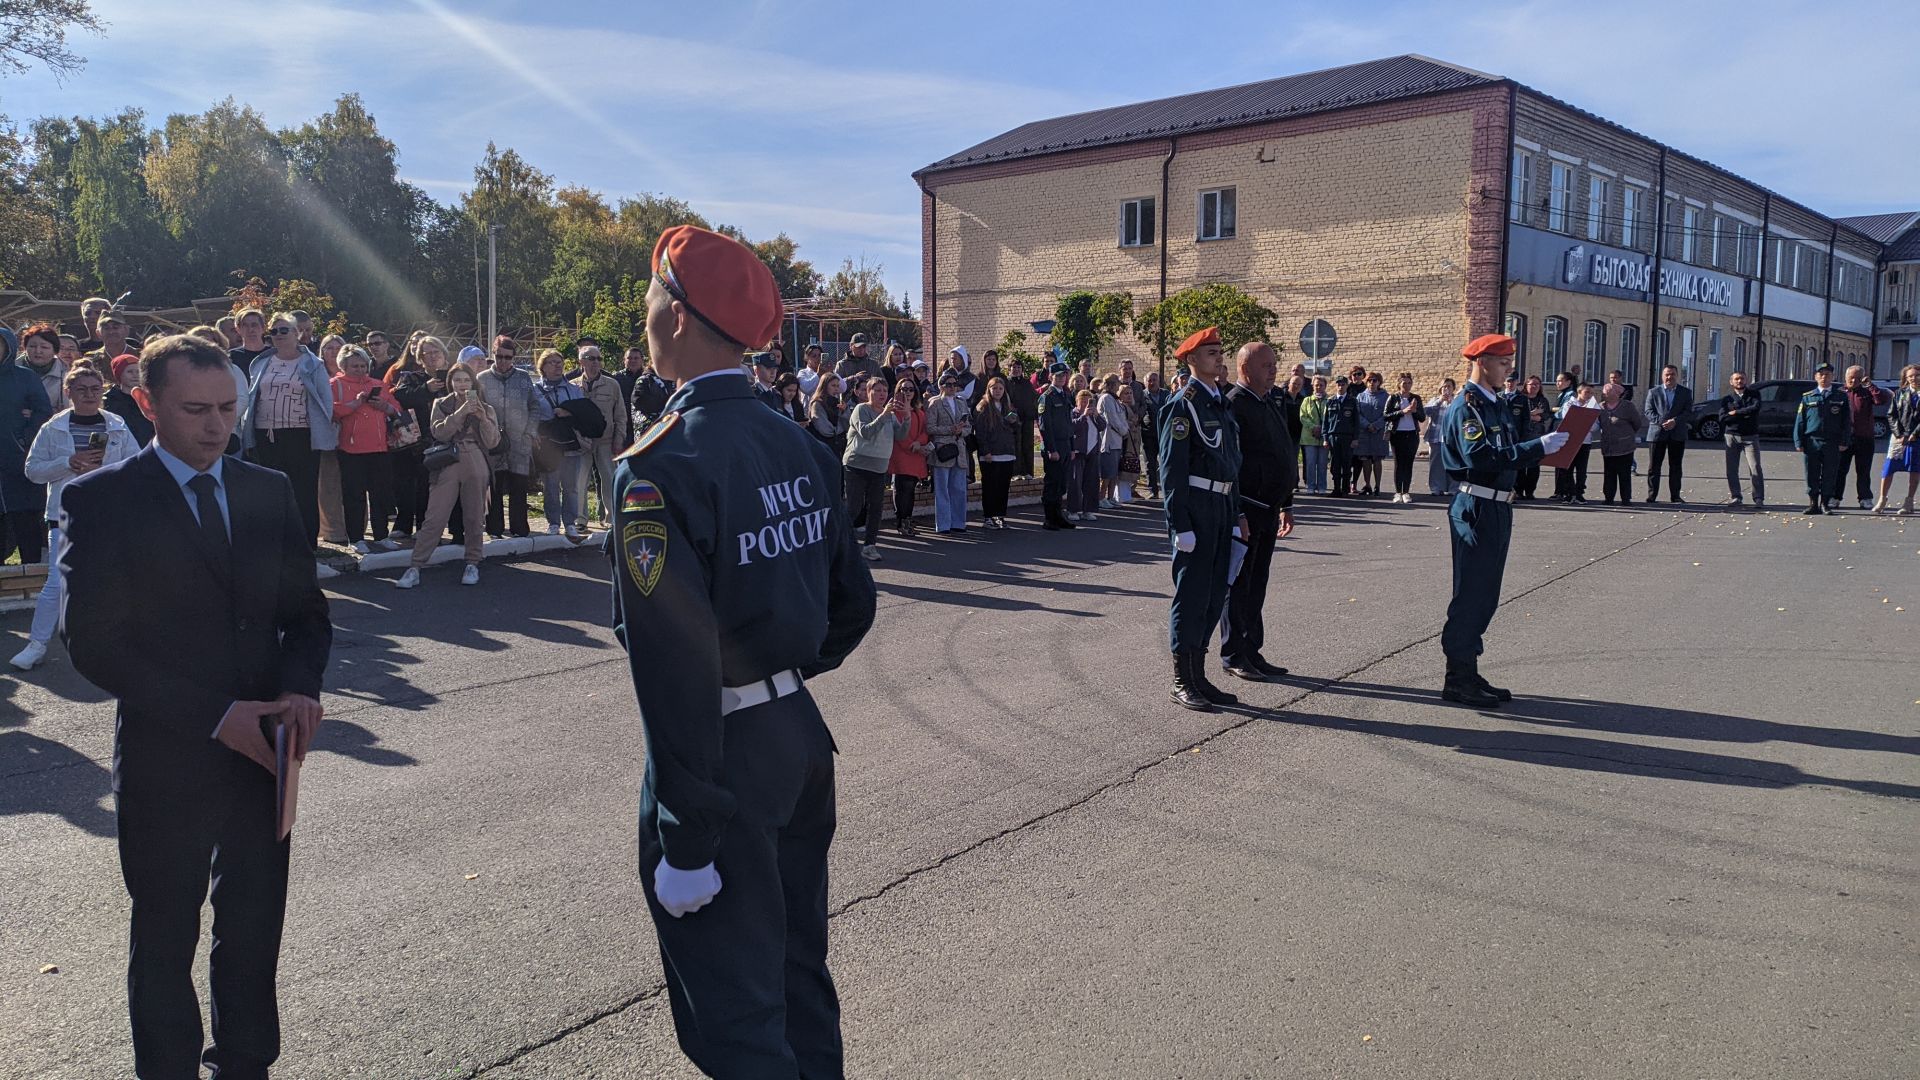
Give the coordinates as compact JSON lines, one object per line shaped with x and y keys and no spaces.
{"x":493,"y":283}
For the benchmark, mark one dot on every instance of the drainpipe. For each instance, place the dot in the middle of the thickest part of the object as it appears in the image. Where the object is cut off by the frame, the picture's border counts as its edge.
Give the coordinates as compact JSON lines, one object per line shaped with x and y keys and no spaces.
{"x":930,"y":290}
{"x":1826,"y":322}
{"x":1506,"y":214}
{"x":1873,"y":336}
{"x":1166,"y":168}
{"x":1659,"y":247}
{"x":1760,"y":327}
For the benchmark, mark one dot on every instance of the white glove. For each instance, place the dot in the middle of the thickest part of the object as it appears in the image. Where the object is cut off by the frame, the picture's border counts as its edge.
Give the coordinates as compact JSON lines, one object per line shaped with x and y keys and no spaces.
{"x":1183,"y":541}
{"x":1552,"y":441}
{"x":683,"y":892}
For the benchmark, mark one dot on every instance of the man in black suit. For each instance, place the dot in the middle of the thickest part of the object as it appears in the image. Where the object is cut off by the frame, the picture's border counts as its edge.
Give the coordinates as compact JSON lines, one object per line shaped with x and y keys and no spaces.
{"x":191,"y":599}
{"x":1269,"y":471}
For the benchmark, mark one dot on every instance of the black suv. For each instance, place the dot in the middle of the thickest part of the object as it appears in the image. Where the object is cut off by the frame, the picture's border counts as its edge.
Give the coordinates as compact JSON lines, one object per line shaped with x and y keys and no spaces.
{"x":1779,"y":401}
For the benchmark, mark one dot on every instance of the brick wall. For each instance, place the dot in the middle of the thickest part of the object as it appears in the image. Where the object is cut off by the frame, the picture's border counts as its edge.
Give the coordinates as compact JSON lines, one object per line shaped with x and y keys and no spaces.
{"x":20,"y":585}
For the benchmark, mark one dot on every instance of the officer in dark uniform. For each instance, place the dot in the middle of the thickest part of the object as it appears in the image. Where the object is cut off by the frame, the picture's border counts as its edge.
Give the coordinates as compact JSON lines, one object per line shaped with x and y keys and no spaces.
{"x":735,"y":580}
{"x":1483,"y":453}
{"x":1199,"y":462}
{"x":1056,"y":446}
{"x":1342,"y":426}
{"x":1823,"y":432}
{"x":766,"y":368}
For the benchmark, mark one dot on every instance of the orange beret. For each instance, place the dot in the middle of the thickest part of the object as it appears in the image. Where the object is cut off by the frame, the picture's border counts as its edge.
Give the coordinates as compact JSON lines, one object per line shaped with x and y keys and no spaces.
{"x":721,"y":281}
{"x":1489,"y":345}
{"x":1209,"y":336}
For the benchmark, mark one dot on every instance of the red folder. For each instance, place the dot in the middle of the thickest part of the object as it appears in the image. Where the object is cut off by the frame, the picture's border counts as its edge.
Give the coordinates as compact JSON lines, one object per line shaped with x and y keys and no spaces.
{"x":1578,"y":421}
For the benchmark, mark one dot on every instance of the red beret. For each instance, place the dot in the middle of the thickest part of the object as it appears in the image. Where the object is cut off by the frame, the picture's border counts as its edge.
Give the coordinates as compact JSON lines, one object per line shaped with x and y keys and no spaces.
{"x":1489,"y":345}
{"x":121,"y":363}
{"x":721,"y":281}
{"x":1209,"y":336}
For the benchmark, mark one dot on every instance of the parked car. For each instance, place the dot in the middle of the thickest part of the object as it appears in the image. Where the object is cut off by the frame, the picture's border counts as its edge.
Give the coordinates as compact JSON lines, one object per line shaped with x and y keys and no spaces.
{"x":1779,"y":401}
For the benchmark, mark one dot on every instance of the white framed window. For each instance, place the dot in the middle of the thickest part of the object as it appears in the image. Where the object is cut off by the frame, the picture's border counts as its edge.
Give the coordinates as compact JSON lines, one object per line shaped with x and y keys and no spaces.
{"x":1739,"y":354}
{"x":1689,"y":348}
{"x":1515,"y":327}
{"x":1632,"y":213}
{"x":1713,"y":360}
{"x":1661,"y":342}
{"x":1690,"y":235}
{"x":1136,"y":223}
{"x":1719,"y":225}
{"x":1553,"y":345}
{"x":1599,"y":199}
{"x":1743,"y":249}
{"x":1559,"y":191}
{"x":1217,"y":215}
{"x":1593,"y":356}
{"x":1629,"y":350}
{"x":1520,"y":186}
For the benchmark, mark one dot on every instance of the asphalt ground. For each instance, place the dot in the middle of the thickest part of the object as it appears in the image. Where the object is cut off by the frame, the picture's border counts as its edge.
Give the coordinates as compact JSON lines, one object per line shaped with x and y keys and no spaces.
{"x":1686,"y":850}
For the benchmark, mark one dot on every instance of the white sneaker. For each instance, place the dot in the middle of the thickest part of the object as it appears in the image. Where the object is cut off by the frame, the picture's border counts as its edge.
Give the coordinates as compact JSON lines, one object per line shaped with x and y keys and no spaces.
{"x":362,"y":547}
{"x":29,"y":658}
{"x":1089,"y":517}
{"x":321,"y":571}
{"x":407,"y":580}
{"x":575,"y":535}
{"x":870,"y":552}
{"x":553,"y":529}
{"x":471,"y":575}
{"x":389,"y":544}
{"x":1866,"y":504}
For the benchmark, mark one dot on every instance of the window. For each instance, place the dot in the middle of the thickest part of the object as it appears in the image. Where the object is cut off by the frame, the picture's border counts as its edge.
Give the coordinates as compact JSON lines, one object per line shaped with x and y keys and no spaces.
{"x":1593,"y":358}
{"x":1217,"y":214}
{"x":1690,"y":235}
{"x":1713,"y":360}
{"x":1719,"y":224}
{"x":1780,"y":360}
{"x":1520,"y":186}
{"x":1631,"y":215}
{"x":1558,"y":192}
{"x":1739,"y":354}
{"x":1629,"y":350}
{"x":1136,"y":223}
{"x":1689,"y":348}
{"x":1778,"y":263}
{"x":1794,"y":371}
{"x":1515,"y":327}
{"x":1553,"y":345}
{"x":1660,"y":343}
{"x":1599,"y":198}
{"x":1745,"y":249}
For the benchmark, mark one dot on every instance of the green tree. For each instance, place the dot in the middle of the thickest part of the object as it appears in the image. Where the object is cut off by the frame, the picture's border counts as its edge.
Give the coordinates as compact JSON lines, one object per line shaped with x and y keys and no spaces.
{"x":511,"y":195}
{"x":355,"y":220}
{"x":1013,"y":349}
{"x":1239,"y":316}
{"x":36,"y":30}
{"x":1085,"y":323}
{"x":220,"y":180}
{"x":28,"y":232}
{"x":863,"y":285}
{"x":446,"y":261}
{"x":120,"y":244}
{"x":297,"y":294}
{"x":796,"y":277}
{"x":617,"y":321}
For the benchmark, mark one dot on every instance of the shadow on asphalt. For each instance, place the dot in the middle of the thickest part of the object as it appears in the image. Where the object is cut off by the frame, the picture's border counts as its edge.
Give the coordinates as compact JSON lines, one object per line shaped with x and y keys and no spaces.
{"x":1565,"y":751}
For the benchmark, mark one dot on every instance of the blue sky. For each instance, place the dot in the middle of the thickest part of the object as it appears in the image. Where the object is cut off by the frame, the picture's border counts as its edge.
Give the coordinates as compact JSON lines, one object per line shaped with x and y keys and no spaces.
{"x":809,"y":117}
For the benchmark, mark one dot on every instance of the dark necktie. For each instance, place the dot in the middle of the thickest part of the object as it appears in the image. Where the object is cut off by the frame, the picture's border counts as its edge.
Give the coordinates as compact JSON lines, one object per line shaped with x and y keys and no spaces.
{"x":212,"y":525}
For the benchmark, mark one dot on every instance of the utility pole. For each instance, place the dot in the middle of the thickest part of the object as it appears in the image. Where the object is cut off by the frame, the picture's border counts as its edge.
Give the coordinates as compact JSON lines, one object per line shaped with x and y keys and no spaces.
{"x":493,"y":286}
{"x":479,"y":313}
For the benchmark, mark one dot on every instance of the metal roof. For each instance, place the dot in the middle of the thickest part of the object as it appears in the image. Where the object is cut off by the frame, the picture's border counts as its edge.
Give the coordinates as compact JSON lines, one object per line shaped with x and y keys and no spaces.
{"x":1885,"y":228}
{"x":1294,"y":95}
{"x":1904,"y":249}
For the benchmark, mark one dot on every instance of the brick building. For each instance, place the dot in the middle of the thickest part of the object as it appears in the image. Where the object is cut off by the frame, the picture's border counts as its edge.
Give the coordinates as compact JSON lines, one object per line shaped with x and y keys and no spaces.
{"x":1405,"y":205}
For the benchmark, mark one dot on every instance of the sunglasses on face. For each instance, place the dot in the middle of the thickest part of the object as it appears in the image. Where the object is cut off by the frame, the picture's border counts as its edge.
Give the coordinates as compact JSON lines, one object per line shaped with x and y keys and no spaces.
{"x":279,"y":330}
{"x":86,"y":391}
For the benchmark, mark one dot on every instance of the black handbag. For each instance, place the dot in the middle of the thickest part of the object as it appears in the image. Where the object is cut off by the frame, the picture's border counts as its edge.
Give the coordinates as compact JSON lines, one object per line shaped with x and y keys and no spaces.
{"x":948,"y":454}
{"x":439,"y":456}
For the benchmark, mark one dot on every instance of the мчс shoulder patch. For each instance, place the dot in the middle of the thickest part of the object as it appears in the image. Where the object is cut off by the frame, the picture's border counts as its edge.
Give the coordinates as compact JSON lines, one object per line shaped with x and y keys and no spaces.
{"x":643,"y":546}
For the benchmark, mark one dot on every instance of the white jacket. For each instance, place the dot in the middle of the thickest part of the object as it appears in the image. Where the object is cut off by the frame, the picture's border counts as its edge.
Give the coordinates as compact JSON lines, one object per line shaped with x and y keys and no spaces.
{"x":47,"y":458}
{"x":1115,"y":437}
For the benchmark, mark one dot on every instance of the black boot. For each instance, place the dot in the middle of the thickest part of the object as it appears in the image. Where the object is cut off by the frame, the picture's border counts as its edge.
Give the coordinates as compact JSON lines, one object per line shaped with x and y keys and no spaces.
{"x":1185,"y":694}
{"x":1813,"y":507}
{"x":1197,"y":672}
{"x":1241,"y":669}
{"x":1463,"y":687}
{"x":1473,"y":667}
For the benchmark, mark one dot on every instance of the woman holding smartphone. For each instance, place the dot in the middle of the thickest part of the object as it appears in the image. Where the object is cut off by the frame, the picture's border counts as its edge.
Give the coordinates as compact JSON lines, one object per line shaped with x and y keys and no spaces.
{"x":459,"y":419}
{"x":78,"y":440}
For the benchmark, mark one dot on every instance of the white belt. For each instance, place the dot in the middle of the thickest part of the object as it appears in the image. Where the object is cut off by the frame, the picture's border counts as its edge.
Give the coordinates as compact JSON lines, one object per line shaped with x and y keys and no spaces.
{"x":1219,"y":487}
{"x":735,"y":698}
{"x":1479,"y":492}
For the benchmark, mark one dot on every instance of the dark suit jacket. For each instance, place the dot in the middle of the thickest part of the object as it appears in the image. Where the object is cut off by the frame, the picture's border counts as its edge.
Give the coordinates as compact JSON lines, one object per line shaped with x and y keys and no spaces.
{"x":1657,"y":410}
{"x":1269,"y":459}
{"x":175,"y":634}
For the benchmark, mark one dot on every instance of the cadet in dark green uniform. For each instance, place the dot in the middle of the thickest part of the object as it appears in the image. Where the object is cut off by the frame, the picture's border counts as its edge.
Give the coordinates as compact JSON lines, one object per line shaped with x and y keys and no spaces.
{"x":1199,"y":462}
{"x":735,"y":580}
{"x":1056,"y":446}
{"x":1481,"y":450}
{"x":1822,"y":432}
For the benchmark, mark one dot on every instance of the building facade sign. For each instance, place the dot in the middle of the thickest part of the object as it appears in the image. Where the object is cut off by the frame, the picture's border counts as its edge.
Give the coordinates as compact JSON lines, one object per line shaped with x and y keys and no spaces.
{"x":1538,"y":257}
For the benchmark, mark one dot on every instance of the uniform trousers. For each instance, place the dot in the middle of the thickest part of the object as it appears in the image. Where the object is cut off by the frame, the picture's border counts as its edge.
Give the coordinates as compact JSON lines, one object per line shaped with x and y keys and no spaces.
{"x":1744,"y":448}
{"x":1341,"y":450}
{"x":1824,"y":471}
{"x":1053,"y":489}
{"x":1672,"y":450}
{"x":1200,"y":575}
{"x":462,"y":484}
{"x":1150,"y":456}
{"x":1246,"y":600}
{"x":747,"y":974}
{"x":176,"y":830}
{"x":1860,"y":456}
{"x":509,"y":492}
{"x":1481,"y":530}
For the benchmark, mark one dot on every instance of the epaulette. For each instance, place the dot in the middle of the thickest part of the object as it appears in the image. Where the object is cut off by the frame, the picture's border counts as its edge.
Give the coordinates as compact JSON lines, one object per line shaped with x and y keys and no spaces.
{"x":653,"y":435}
{"x":1191,"y":391}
